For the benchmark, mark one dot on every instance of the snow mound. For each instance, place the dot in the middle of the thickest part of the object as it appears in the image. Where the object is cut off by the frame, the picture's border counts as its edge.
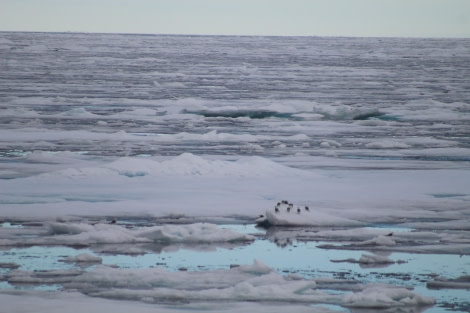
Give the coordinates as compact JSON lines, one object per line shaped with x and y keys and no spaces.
{"x":186,"y":164}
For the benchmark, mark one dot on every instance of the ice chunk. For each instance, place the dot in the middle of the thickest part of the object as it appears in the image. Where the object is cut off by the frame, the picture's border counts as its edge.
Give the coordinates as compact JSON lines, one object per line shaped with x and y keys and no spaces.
{"x":83,"y":258}
{"x":378,"y":296}
{"x":369,"y":259}
{"x":378,"y":241}
{"x":462,"y":282}
{"x":257,"y":268}
{"x":374,"y":259}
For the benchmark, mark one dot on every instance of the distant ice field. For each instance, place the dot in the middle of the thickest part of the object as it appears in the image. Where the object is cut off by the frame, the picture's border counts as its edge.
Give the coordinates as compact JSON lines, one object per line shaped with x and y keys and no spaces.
{"x":128,"y":95}
{"x":383,"y":122}
{"x":110,"y":143}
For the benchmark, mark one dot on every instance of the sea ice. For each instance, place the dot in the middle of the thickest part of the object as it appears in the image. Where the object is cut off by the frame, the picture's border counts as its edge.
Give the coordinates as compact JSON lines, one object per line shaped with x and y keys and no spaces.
{"x":214,"y":128}
{"x":255,"y":282}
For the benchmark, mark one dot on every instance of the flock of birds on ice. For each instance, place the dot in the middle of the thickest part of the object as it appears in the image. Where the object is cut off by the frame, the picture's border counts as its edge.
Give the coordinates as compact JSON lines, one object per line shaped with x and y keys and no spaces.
{"x":282,"y":206}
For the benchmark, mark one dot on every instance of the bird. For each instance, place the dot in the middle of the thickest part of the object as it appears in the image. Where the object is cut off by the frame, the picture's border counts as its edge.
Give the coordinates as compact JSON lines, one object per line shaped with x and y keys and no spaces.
{"x":288,"y":209}
{"x":298,"y":210}
{"x":276,"y":210}
{"x":307,"y":208}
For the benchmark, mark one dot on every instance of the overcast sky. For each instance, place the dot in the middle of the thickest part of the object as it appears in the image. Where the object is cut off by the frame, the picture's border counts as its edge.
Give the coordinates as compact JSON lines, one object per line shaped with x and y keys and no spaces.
{"x":404,"y":18}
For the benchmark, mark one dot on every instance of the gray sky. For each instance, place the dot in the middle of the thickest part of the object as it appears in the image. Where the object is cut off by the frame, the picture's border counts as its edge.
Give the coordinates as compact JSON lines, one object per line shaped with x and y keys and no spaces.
{"x":404,"y":18}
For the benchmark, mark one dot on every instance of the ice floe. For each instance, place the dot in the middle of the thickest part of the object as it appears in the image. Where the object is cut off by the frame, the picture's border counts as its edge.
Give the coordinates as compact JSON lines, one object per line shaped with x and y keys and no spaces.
{"x":369,"y":259}
{"x":83,"y":234}
{"x":288,"y":214}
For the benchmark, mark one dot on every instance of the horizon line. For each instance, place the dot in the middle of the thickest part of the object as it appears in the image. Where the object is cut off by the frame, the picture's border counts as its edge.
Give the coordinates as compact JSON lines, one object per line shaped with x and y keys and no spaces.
{"x":233,"y":35}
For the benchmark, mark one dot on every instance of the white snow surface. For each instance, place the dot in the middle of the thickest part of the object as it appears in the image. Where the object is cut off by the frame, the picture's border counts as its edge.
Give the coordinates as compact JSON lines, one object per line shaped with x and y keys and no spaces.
{"x":247,"y":186}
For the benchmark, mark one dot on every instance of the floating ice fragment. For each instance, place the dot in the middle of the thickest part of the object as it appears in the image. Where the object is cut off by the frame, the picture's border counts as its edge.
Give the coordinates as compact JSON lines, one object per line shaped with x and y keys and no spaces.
{"x":374,"y":259}
{"x":9,"y":265}
{"x":330,"y":144}
{"x":83,"y":258}
{"x":462,"y":282}
{"x":378,"y":296}
{"x":368,"y":259}
{"x":257,"y":268}
{"x":378,"y":241}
